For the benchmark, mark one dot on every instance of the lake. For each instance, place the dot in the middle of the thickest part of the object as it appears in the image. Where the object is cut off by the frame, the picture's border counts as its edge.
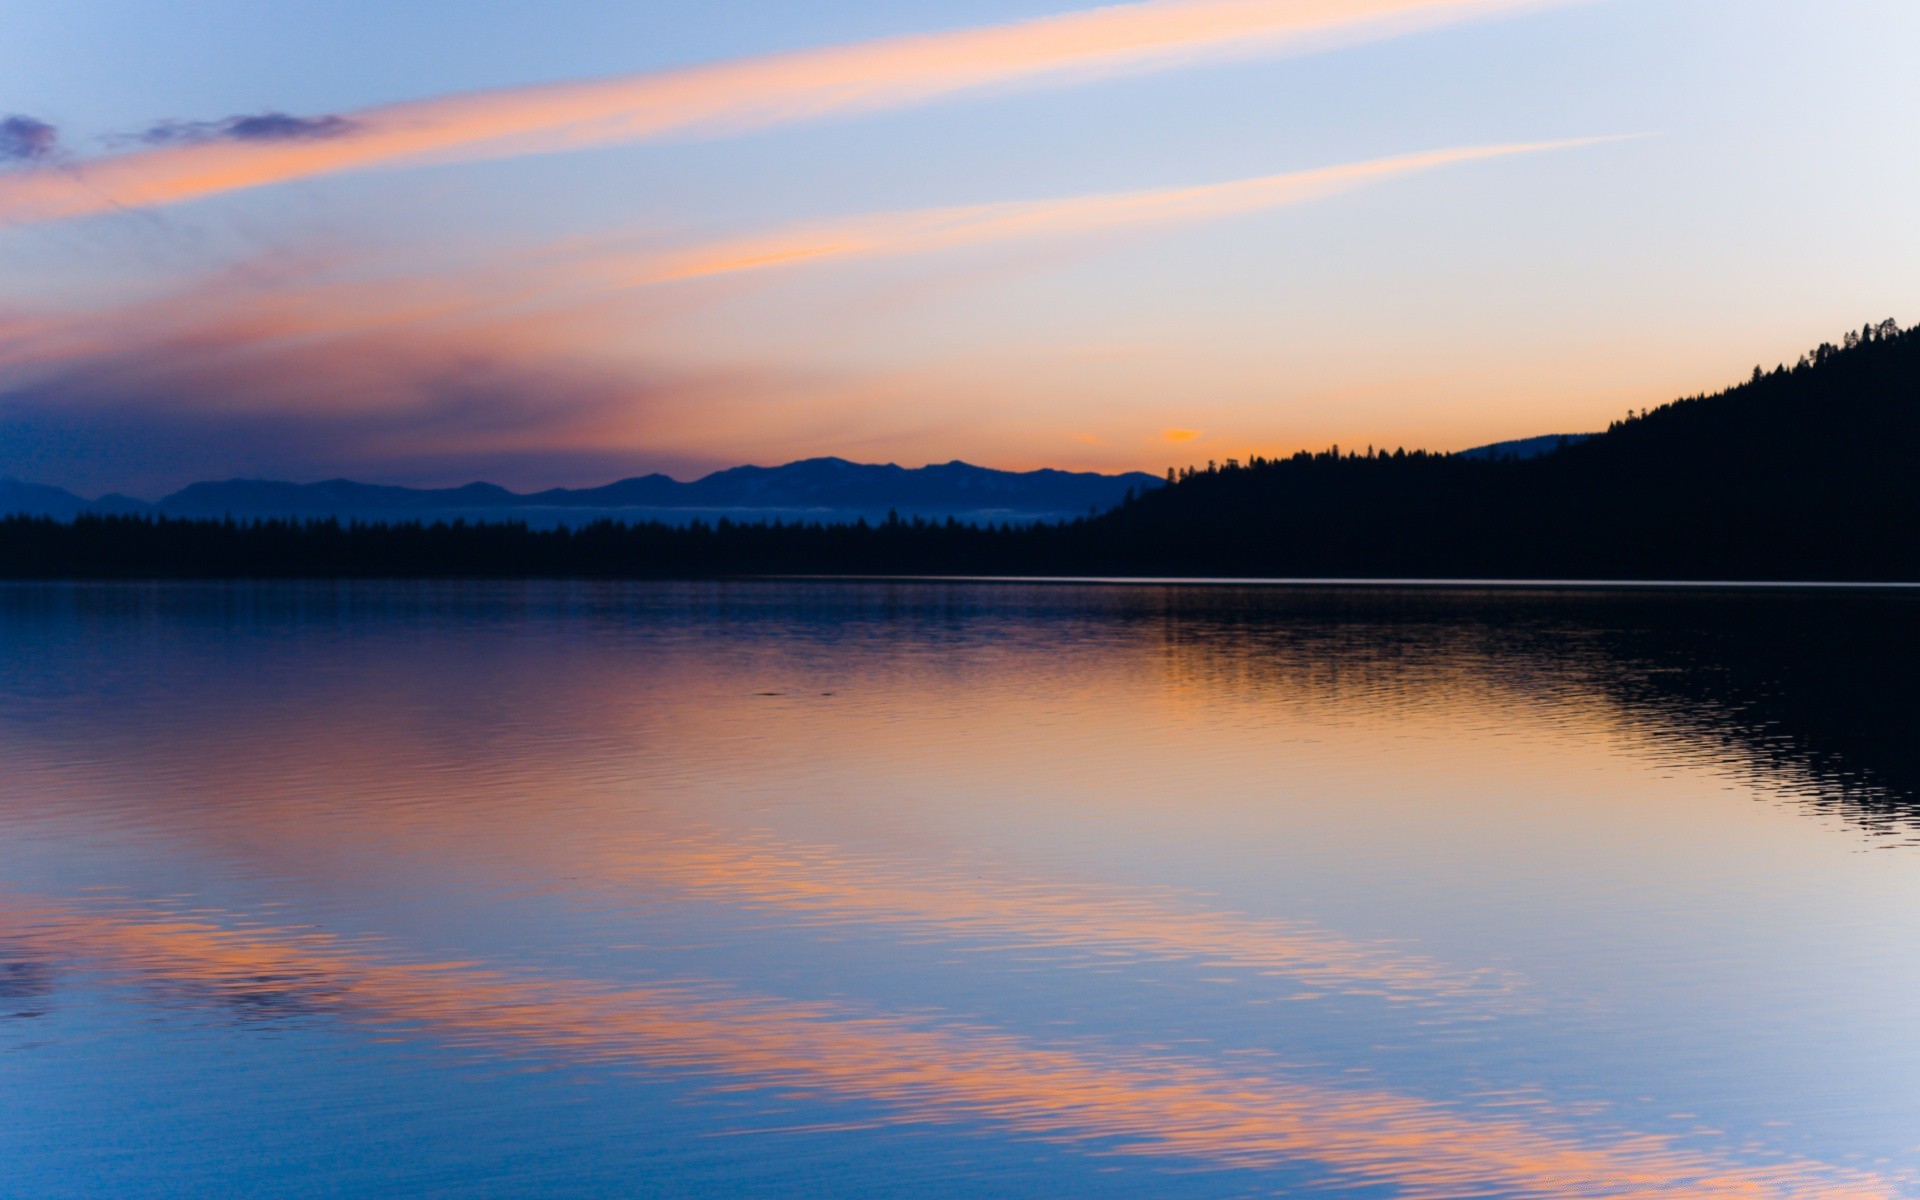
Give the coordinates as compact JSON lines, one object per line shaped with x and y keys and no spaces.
{"x":958,"y":890}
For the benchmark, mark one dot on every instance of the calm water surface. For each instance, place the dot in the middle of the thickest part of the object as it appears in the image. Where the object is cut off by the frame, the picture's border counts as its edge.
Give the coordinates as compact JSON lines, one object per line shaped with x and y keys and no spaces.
{"x":863,"y":890}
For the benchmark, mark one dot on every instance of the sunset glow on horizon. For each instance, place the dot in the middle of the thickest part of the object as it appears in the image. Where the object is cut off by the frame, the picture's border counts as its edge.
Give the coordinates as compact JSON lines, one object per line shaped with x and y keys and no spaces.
{"x":959,"y":599}
{"x":1101,"y":238}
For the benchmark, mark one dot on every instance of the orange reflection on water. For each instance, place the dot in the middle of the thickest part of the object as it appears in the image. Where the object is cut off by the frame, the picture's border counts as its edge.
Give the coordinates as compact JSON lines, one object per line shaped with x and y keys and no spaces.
{"x":617,"y":860}
{"x":827,"y":885}
{"x":924,"y":1071}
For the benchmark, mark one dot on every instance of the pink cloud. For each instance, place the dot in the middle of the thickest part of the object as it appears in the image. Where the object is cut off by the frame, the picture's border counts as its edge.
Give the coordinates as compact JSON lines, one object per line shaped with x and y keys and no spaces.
{"x":720,"y":98}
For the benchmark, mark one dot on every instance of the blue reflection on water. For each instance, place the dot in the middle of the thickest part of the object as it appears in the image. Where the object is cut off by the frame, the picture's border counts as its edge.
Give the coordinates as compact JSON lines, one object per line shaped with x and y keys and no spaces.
{"x":721,"y":890}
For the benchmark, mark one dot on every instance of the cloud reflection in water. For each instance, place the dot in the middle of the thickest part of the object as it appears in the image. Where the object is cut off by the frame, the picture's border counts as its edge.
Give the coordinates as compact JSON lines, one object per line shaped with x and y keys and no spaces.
{"x":921,"y":1070}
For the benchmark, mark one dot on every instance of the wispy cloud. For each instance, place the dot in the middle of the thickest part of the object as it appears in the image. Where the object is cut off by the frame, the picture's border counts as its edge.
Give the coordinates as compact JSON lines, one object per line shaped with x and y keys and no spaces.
{"x":313,"y":379}
{"x":885,"y":234}
{"x":729,"y":96}
{"x":26,"y":139}
{"x":318,"y":365}
{"x":258,"y":127}
{"x":306,"y":299}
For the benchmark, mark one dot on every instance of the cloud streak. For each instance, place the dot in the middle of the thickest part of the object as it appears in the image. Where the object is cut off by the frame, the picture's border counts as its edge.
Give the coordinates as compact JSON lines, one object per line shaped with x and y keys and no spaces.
{"x":888,"y":234}
{"x":318,"y":356}
{"x":258,"y":127}
{"x":258,"y":306}
{"x":734,"y":96}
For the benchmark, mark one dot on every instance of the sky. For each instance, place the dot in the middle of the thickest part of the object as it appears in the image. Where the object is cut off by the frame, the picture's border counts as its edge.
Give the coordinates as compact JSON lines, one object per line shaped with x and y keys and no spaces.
{"x":565,"y":242}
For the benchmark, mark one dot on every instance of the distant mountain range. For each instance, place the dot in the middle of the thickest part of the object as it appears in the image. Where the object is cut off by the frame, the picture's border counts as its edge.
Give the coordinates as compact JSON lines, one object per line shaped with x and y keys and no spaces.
{"x":815,"y":489}
{"x":39,"y":500}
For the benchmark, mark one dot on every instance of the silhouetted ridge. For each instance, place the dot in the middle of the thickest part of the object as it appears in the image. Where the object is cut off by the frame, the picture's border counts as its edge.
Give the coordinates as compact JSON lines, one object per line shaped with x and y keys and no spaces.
{"x":817,"y":488}
{"x":1802,"y":472}
{"x":1532,"y":447}
{"x":40,"y":500}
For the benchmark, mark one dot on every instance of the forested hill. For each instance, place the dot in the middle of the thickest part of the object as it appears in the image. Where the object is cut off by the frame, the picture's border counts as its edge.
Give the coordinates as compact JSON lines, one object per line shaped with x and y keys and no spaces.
{"x":1806,"y":471}
{"x":1802,"y":473}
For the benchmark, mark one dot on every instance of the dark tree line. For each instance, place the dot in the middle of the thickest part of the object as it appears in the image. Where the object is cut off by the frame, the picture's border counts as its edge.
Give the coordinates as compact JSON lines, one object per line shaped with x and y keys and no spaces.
{"x":117,"y":547}
{"x":1802,"y":472}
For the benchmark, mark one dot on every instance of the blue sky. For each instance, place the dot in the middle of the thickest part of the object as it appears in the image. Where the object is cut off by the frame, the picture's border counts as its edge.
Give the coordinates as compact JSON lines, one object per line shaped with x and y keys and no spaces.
{"x":255,"y":330}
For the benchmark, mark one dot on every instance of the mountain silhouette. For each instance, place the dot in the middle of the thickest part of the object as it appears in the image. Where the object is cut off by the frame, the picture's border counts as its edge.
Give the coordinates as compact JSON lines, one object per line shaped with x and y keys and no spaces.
{"x":812,"y":489}
{"x":37,"y":499}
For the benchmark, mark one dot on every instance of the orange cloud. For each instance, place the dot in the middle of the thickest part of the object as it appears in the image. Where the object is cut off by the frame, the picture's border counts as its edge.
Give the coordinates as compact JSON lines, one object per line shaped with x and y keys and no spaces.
{"x":937,"y":229}
{"x":242,"y":301}
{"x":731,"y":96}
{"x":1181,"y":435}
{"x":318,"y":378}
{"x":1099,"y":1098}
{"x":525,"y":354}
